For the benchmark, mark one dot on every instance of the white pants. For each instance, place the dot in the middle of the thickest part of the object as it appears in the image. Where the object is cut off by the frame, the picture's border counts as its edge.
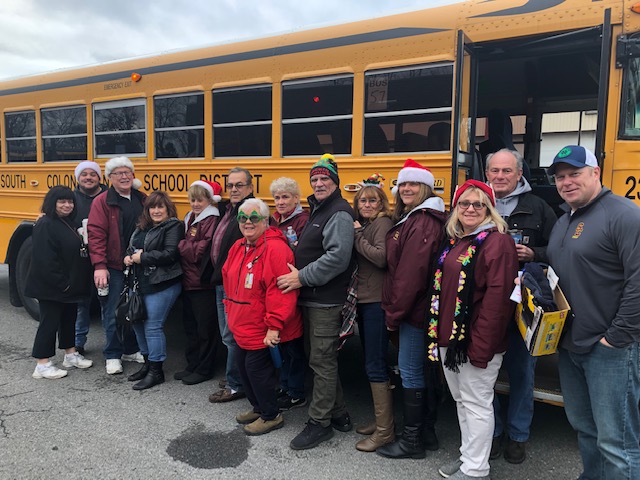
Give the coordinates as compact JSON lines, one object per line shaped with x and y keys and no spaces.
{"x":472,"y":389}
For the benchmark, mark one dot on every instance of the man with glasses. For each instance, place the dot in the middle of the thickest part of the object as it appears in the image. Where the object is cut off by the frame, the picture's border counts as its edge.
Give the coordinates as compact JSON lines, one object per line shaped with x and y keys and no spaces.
{"x":594,"y":248}
{"x":240,"y":187}
{"x":112,"y":220}
{"x":530,"y":221}
{"x":324,"y":259}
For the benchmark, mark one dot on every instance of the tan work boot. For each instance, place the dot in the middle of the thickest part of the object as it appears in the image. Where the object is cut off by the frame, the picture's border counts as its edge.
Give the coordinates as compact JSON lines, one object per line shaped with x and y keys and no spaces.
{"x":247,"y":417}
{"x":383,"y":409}
{"x":260,"y":426}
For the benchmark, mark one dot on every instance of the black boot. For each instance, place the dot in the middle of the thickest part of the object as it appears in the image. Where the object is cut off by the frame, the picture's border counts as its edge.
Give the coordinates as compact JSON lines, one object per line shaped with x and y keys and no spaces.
{"x":140,"y":374}
{"x":434,"y":383}
{"x":155,"y":376}
{"x":409,"y":445}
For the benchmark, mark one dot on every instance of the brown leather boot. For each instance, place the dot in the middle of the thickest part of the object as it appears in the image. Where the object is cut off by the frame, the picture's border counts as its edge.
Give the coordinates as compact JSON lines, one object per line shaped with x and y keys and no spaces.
{"x":367,"y":429}
{"x":383,"y":409}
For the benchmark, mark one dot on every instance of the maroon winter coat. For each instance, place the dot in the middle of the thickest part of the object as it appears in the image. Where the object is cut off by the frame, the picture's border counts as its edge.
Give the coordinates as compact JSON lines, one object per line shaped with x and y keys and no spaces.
{"x":495,"y":269}
{"x":195,"y":246}
{"x":297,"y":219}
{"x":106,"y":241}
{"x":411,"y":246}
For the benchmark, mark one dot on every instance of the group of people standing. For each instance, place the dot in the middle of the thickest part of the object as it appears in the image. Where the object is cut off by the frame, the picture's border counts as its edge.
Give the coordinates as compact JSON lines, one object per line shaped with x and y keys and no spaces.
{"x":279,"y":287}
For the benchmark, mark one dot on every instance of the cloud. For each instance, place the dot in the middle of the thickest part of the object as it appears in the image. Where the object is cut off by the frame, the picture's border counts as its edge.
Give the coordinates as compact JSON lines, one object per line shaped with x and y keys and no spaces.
{"x":40,"y":35}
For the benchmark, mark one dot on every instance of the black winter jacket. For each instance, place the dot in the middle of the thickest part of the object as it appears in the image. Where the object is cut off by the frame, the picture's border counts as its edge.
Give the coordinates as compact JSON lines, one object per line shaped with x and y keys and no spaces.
{"x":160,"y":258}
{"x":58,"y":272}
{"x":535,"y":218}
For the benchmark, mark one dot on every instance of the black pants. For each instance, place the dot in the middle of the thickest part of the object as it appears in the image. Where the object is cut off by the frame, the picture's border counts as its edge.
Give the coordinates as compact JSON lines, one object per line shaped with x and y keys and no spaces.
{"x":259,"y":380}
{"x":200,"y":319}
{"x":55,"y":317}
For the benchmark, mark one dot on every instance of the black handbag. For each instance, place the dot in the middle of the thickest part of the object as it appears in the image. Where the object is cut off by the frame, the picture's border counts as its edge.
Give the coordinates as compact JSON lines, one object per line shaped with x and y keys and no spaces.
{"x":130,"y":307}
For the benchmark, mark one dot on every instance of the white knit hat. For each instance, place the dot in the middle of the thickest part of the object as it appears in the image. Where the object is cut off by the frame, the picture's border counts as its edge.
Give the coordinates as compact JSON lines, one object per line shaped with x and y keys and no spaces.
{"x":117,"y":162}
{"x":87,"y":164}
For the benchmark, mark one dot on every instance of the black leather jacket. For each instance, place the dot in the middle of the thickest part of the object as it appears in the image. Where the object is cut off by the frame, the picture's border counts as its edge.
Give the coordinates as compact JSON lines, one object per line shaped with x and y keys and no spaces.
{"x":160,"y":257}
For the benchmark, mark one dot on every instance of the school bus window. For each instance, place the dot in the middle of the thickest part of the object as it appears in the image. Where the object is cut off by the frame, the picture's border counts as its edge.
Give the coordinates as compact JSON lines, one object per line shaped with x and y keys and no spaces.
{"x":408,"y":109}
{"x":630,"y":111}
{"x":242,"y":121}
{"x":120,"y":128}
{"x":64,"y":133}
{"x":179,"y":126}
{"x":20,"y":132}
{"x":317,"y":116}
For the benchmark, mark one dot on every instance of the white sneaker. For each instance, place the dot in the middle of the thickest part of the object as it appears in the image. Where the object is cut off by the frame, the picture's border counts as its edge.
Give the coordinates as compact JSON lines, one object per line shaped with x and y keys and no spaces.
{"x":48,"y":370}
{"x":114,"y":366}
{"x":133,"y":357}
{"x":76,"y":360}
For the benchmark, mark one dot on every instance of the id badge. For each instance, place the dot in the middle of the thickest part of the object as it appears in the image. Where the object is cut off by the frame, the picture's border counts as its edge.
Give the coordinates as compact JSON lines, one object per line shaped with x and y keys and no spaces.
{"x":248,"y":280}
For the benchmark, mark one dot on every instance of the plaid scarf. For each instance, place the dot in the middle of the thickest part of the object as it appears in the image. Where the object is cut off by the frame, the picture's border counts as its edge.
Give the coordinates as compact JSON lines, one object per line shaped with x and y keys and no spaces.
{"x":349,"y":309}
{"x":459,"y":338}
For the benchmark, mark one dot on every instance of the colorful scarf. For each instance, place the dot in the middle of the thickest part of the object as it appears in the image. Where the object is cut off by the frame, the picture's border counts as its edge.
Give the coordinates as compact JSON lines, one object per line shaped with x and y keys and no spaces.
{"x":459,"y":339}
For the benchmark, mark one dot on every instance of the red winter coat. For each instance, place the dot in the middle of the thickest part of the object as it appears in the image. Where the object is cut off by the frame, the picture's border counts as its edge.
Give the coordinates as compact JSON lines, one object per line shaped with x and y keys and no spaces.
{"x":194,"y":248}
{"x":495,"y":269}
{"x":254,"y":307}
{"x":411,"y":247}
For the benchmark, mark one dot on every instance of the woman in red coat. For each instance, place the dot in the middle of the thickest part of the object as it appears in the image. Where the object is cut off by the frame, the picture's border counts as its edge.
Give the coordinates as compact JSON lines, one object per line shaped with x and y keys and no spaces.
{"x":468,"y":316}
{"x":260,"y":315}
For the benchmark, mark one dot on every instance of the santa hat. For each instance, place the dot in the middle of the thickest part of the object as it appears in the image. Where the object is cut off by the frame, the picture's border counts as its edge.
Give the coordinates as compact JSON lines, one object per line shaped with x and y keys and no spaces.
{"x":87,"y":165}
{"x":477,"y":184}
{"x":214,"y":189}
{"x":117,"y":162}
{"x":412,"y":171}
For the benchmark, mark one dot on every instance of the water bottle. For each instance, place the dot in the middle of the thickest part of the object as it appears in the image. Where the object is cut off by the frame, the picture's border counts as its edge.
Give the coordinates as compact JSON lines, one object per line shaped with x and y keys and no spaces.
{"x":291,"y":235}
{"x":276,"y":358}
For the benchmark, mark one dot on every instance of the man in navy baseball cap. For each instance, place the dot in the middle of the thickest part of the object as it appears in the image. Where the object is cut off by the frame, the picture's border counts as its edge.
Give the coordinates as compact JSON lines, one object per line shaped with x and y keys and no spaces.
{"x":574,"y":155}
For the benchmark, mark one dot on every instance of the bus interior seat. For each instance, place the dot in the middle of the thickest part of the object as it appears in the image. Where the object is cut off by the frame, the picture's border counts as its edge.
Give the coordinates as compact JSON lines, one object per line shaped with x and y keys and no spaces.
{"x":412,"y":142}
{"x":499,"y":136}
{"x":375,"y":140}
{"x":439,"y":136}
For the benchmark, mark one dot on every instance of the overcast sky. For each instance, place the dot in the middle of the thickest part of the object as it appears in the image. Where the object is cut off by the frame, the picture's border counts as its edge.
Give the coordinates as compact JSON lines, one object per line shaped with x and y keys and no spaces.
{"x":43,"y":35}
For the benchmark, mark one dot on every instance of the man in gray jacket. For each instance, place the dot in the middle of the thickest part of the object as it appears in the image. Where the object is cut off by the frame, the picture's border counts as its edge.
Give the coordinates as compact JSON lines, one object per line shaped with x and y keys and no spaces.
{"x":323,"y":256}
{"x":595,"y":249}
{"x":530,"y":221}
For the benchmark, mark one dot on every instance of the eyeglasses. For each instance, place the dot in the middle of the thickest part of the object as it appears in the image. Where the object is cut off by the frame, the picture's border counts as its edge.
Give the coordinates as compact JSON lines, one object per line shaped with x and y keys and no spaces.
{"x":372,"y":201}
{"x":122,"y":173}
{"x":239,"y":185}
{"x":253,"y":218}
{"x":464,"y":204}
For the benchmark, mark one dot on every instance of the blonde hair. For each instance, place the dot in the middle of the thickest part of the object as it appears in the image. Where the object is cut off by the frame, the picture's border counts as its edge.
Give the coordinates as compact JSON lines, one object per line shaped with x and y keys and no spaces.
{"x":198,"y":192}
{"x":401,"y":209}
{"x":286,"y":185}
{"x":454,"y":227}
{"x":373,"y":191}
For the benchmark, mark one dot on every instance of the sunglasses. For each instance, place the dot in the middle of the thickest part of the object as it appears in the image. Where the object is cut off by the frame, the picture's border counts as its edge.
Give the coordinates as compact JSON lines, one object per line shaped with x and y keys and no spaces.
{"x":253,"y":218}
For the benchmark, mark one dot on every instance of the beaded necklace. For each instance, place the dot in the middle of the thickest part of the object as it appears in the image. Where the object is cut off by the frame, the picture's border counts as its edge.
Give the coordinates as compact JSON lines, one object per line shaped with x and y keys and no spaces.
{"x":458,"y":340}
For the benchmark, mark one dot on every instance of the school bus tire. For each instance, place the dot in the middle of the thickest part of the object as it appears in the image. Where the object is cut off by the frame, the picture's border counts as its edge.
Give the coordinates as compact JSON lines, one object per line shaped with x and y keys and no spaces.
{"x":23,"y":262}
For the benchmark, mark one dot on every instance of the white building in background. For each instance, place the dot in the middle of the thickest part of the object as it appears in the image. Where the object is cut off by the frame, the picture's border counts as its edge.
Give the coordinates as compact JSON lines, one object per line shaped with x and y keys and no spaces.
{"x":558,"y":130}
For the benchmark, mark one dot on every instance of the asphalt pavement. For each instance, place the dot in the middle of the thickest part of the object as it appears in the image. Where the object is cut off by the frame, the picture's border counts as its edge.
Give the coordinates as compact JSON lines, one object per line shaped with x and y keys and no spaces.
{"x":90,"y":425}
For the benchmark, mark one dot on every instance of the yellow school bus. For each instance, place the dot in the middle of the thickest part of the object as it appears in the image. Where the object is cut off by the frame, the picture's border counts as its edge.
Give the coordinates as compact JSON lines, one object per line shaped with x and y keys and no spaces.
{"x":372,"y":93}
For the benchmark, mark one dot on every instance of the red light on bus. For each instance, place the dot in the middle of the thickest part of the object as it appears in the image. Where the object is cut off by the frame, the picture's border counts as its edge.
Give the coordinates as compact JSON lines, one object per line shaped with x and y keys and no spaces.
{"x":316,"y":99}
{"x":635,"y":8}
{"x":136,"y":77}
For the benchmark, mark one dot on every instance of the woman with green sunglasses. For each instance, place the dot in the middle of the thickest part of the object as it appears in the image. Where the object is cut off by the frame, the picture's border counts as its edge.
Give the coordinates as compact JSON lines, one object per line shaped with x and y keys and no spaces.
{"x":260,"y":315}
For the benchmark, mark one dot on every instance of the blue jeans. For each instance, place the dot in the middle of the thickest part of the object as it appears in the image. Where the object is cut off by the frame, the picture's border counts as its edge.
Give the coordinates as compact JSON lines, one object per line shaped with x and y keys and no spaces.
{"x":411,"y":356}
{"x":150,"y":334}
{"x":232,"y":373}
{"x":294,"y":368}
{"x":113,"y":347}
{"x":83,"y":320}
{"x":520,"y":366}
{"x":601,"y":392}
{"x":375,"y":340}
